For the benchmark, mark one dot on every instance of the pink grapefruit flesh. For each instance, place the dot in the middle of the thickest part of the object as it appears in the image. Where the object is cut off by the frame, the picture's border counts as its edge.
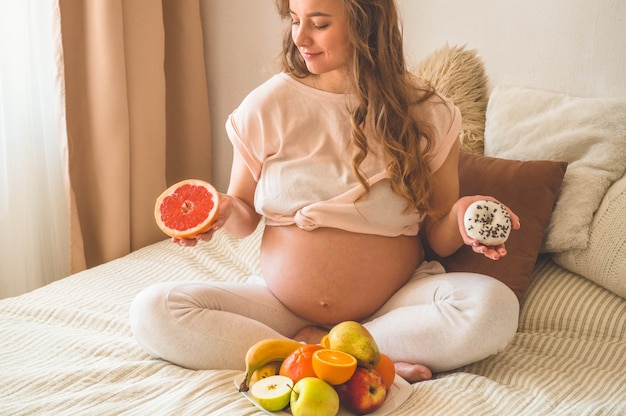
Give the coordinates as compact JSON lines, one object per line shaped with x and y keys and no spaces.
{"x":187,"y":208}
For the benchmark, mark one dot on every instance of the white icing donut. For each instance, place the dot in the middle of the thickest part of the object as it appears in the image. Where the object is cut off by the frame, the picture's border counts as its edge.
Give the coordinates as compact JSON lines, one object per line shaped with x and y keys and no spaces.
{"x":488,"y":222}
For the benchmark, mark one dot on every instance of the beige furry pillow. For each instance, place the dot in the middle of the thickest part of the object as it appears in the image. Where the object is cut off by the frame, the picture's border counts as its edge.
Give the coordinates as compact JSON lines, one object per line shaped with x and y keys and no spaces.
{"x":459,"y":74}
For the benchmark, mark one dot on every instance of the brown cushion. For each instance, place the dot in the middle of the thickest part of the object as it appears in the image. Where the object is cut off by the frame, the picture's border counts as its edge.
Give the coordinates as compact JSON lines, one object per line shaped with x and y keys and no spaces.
{"x":530,"y":189}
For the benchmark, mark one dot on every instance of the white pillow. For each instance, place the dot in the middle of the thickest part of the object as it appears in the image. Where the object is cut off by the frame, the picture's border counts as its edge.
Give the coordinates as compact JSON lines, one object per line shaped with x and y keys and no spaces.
{"x":604,"y":261}
{"x":588,"y":133}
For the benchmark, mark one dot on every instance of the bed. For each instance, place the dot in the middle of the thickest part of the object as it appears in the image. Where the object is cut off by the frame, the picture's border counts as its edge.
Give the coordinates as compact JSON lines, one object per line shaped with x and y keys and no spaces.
{"x":67,"y":348}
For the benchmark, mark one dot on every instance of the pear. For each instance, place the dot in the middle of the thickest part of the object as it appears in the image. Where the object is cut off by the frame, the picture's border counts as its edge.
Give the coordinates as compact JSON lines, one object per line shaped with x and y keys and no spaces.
{"x":353,"y":338}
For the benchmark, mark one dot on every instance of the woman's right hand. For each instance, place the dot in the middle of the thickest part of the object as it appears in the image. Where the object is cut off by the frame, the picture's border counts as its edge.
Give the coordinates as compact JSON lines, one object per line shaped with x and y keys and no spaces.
{"x":237,"y":203}
{"x":225,"y":209}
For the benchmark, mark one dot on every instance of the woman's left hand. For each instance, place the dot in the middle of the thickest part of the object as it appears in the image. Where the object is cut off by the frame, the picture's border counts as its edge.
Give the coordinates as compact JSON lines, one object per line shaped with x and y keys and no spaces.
{"x":492,"y":252}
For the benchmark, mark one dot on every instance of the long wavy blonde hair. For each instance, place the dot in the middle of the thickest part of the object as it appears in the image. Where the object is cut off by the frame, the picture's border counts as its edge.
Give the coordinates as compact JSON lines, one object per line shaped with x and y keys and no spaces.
{"x":387,"y":94}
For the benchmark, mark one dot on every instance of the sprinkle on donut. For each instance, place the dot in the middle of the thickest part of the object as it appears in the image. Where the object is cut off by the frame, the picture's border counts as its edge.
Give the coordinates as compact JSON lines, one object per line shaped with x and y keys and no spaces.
{"x":488,"y":222}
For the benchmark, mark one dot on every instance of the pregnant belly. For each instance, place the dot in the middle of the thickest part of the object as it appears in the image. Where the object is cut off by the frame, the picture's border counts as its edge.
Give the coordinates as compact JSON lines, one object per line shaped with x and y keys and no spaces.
{"x":330,"y":275}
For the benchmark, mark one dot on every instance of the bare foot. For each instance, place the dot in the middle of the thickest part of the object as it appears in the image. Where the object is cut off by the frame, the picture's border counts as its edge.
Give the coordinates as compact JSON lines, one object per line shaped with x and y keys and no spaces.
{"x":310,"y":334}
{"x":413,"y":373}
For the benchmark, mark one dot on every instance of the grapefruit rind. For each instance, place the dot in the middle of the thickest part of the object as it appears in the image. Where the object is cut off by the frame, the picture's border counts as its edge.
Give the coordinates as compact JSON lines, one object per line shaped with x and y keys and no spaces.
{"x":187,"y":208}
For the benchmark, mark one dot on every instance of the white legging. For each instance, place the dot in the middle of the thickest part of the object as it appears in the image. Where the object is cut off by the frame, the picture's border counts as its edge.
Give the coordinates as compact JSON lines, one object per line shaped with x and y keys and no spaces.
{"x":441,"y":320}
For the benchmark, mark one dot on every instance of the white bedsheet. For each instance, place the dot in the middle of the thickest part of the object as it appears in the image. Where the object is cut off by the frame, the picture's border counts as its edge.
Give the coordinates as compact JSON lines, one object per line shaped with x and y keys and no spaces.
{"x":67,"y":348}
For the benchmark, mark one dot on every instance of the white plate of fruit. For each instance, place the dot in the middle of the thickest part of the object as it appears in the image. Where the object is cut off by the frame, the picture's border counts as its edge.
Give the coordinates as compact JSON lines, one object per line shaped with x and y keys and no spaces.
{"x":345,"y":374}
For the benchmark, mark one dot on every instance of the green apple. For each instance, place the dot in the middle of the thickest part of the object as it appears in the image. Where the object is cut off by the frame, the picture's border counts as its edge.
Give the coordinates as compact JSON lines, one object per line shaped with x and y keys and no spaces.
{"x":312,"y":396}
{"x":272,"y":393}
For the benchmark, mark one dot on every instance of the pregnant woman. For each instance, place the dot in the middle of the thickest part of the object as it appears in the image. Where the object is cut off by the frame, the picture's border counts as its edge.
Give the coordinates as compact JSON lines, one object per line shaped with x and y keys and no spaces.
{"x":347,"y":158}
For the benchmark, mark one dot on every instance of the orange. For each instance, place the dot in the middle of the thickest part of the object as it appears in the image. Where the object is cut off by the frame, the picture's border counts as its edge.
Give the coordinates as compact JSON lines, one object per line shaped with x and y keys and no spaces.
{"x":187,"y":208}
{"x":387,"y":370}
{"x":333,"y":366}
{"x":324,"y":341}
{"x":298,"y":364}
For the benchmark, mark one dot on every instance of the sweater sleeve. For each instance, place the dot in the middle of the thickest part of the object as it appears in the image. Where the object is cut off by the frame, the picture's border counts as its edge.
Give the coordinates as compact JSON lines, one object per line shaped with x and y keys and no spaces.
{"x":240,"y":137}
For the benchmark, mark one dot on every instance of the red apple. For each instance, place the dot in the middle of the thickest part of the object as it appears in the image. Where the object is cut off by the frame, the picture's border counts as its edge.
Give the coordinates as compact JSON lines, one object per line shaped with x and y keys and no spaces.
{"x":364,"y":392}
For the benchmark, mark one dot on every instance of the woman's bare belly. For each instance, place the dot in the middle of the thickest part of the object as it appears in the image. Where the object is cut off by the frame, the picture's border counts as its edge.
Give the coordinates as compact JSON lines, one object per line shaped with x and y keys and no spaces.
{"x":330,"y":275}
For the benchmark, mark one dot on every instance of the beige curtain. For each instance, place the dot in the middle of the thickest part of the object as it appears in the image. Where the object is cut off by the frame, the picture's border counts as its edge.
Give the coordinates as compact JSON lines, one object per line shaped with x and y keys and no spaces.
{"x":137,"y":117}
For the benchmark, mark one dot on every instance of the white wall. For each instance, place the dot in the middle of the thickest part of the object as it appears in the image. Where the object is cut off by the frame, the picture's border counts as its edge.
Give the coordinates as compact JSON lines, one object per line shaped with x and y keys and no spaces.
{"x":572,"y":46}
{"x":243,"y":42}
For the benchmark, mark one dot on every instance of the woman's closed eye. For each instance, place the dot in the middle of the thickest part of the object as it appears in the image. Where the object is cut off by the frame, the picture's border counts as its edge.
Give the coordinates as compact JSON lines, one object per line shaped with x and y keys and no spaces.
{"x":315,"y":26}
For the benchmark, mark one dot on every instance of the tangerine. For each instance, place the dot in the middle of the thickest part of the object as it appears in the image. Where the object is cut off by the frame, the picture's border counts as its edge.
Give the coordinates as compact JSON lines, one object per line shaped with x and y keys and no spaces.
{"x":387,"y":370}
{"x":187,"y":208}
{"x":333,"y":366}
{"x":298,"y":364}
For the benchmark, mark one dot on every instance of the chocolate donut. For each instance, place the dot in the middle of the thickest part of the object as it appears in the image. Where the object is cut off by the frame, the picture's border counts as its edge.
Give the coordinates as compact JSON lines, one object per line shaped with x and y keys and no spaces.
{"x":488,"y":222}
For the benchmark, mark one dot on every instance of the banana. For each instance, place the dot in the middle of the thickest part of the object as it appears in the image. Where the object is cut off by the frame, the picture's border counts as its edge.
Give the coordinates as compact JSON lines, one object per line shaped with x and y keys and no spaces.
{"x":265,"y":351}
{"x":270,"y":369}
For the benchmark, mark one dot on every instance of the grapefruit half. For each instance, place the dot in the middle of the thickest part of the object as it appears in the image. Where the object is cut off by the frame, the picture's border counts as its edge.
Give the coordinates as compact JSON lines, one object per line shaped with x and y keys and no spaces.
{"x":187,"y":208}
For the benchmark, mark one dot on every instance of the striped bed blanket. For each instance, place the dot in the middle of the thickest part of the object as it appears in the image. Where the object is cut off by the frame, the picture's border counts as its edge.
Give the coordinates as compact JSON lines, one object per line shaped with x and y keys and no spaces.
{"x":67,"y":348}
